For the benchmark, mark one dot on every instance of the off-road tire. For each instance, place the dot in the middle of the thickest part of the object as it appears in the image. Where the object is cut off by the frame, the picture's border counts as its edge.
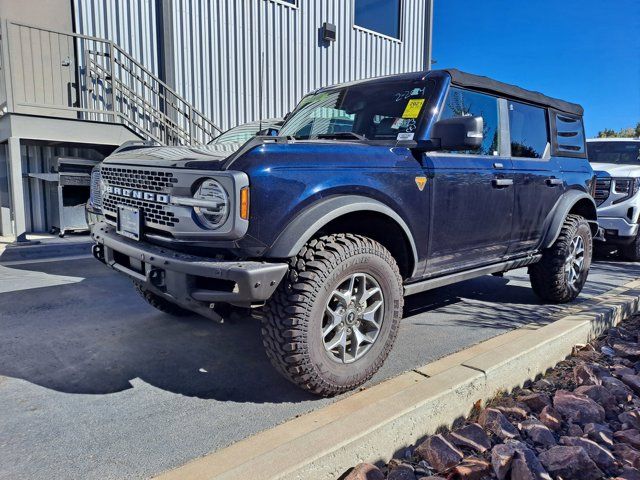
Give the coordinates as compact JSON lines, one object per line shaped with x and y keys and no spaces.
{"x":548,"y":278}
{"x":631,"y":252}
{"x":165,"y":306}
{"x":292,"y":318}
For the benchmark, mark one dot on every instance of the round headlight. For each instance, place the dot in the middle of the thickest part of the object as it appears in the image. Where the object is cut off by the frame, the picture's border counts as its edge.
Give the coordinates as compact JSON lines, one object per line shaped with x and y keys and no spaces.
{"x":215,"y":211}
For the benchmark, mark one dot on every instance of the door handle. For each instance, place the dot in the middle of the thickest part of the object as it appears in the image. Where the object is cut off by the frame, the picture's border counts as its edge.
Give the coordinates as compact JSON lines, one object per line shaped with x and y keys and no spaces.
{"x":553,"y":182}
{"x":501,"y":182}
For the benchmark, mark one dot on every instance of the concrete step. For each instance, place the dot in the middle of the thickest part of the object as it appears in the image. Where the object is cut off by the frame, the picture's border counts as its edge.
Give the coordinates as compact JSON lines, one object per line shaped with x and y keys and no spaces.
{"x":46,"y":247}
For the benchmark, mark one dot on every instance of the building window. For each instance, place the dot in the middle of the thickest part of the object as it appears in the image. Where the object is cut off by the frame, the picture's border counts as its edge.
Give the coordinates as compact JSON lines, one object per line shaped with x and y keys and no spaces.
{"x":528,"y":128}
{"x":381,"y":16}
{"x":464,"y":103}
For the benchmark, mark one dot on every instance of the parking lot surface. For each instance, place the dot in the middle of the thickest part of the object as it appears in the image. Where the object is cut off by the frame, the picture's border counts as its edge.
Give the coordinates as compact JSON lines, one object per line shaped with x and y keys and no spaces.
{"x":94,"y":383}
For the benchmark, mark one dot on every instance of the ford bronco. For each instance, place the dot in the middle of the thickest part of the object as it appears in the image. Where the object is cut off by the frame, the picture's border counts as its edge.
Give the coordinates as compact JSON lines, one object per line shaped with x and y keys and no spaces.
{"x":371,"y":191}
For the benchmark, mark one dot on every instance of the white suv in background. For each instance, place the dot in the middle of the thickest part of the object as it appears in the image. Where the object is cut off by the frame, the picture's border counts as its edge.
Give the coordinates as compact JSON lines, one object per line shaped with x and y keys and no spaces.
{"x":616,"y":162}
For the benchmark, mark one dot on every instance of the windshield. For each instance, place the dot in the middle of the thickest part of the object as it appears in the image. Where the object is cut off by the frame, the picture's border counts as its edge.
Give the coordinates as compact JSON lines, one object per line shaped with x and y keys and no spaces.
{"x":385,"y":110}
{"x":622,"y":153}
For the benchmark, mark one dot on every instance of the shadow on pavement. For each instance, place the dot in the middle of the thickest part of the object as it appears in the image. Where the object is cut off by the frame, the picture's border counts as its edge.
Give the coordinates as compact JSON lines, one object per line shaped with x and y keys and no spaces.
{"x":95,"y":336}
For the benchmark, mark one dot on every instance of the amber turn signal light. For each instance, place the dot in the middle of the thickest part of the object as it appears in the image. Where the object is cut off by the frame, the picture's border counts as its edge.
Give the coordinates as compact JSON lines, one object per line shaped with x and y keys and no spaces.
{"x":244,"y":203}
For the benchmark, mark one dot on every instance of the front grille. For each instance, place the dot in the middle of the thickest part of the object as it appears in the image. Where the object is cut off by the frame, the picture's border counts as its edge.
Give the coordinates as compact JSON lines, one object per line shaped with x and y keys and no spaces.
{"x":96,"y":195}
{"x":149,"y":180}
{"x":603,"y":188}
{"x":154,"y":214}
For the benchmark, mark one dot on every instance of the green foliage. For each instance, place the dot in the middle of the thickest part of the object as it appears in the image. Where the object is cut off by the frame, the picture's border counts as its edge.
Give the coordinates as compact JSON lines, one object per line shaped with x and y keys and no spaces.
{"x":622,"y":133}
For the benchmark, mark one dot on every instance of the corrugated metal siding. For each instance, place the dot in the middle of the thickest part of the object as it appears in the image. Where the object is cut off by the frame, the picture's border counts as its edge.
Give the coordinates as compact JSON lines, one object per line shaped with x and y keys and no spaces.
{"x":218,"y":47}
{"x":132,"y":24}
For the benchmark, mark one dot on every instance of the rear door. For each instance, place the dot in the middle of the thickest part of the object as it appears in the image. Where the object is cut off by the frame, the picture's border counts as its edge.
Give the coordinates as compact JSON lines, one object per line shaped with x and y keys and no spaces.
{"x":472,"y":192}
{"x":537,"y":175}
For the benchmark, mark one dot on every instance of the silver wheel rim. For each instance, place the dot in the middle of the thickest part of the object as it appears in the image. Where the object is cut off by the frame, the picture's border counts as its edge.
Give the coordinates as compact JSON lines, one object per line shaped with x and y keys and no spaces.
{"x":574,"y":262}
{"x":352,"y":318}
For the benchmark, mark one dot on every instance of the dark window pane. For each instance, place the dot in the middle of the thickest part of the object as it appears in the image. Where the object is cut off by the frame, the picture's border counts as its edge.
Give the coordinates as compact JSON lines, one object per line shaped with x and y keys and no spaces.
{"x":463,"y":103}
{"x":616,"y":151}
{"x":569,"y":134}
{"x":382,"y":16}
{"x":528,"y":127}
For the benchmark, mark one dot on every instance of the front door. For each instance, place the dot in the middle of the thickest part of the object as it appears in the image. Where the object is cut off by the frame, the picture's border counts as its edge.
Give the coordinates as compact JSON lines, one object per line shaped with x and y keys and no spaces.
{"x":472,"y":193}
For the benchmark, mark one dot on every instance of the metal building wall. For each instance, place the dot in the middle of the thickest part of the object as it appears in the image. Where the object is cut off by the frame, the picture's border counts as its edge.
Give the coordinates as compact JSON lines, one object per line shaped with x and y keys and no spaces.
{"x":132,"y":24}
{"x":218,"y":45}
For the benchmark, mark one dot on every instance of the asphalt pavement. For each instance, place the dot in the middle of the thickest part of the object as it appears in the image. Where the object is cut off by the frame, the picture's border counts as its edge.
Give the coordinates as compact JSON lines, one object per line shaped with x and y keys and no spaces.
{"x":94,"y":383}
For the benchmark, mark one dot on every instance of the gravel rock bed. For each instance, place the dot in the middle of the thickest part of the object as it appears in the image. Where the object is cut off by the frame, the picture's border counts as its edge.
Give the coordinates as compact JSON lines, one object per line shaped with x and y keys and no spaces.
{"x":581,"y":421}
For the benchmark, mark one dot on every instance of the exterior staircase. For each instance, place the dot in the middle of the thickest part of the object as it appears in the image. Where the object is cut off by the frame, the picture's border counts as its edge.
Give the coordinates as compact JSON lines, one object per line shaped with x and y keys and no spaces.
{"x":67,"y":75}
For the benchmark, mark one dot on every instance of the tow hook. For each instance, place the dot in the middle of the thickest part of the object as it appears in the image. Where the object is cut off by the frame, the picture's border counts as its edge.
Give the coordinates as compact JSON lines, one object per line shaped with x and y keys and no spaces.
{"x":156,"y":277}
{"x":98,"y":252}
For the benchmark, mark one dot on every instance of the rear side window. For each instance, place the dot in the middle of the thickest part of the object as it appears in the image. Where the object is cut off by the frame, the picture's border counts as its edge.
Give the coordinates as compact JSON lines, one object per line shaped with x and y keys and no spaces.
{"x":567,"y":135}
{"x":529,"y":132}
{"x":464,"y":103}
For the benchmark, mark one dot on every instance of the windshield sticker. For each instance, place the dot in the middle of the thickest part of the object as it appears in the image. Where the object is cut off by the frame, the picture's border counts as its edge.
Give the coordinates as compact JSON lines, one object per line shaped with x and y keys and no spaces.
{"x":412,"y":110}
{"x":397,"y":123}
{"x":405,"y":136}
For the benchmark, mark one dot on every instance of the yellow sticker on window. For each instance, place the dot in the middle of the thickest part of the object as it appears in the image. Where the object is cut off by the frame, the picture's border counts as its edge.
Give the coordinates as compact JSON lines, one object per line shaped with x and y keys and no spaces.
{"x":413,"y":108}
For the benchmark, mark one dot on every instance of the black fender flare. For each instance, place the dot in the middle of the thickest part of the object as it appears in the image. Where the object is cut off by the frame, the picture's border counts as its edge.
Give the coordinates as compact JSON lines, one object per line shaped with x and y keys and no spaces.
{"x":305,"y":225}
{"x":566,"y":203}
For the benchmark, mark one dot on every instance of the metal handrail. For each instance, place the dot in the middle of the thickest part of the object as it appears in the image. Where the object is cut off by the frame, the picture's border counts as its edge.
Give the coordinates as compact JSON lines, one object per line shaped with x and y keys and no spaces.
{"x":111,"y":86}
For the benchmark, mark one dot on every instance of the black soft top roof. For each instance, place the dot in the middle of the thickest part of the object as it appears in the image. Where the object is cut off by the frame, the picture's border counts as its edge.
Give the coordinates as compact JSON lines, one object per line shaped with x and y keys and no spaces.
{"x":489,"y":85}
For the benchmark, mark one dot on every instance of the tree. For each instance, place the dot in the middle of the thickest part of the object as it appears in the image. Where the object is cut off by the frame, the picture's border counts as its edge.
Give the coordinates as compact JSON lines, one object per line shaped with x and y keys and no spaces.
{"x":622,"y":133}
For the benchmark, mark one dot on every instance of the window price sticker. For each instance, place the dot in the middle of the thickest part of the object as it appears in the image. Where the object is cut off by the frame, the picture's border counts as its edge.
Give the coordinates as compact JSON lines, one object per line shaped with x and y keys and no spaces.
{"x":412,"y":110}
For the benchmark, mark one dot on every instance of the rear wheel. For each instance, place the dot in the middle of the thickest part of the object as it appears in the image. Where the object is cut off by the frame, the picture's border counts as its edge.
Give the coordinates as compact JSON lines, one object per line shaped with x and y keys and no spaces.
{"x":562,"y":272}
{"x":162,"y":304}
{"x":333,"y":320}
{"x":631,"y":252}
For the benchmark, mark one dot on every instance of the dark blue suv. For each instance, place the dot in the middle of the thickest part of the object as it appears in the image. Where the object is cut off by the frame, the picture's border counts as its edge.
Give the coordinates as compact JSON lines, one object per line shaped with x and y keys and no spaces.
{"x":371,"y":191}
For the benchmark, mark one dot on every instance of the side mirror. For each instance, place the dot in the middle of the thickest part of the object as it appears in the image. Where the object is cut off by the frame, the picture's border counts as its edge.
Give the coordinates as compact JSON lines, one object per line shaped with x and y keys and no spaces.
{"x":268,"y":132}
{"x":458,"y":133}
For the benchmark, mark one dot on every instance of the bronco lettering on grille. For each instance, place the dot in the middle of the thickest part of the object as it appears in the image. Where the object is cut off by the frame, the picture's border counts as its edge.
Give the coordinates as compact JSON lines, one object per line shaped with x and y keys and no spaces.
{"x":138,"y":194}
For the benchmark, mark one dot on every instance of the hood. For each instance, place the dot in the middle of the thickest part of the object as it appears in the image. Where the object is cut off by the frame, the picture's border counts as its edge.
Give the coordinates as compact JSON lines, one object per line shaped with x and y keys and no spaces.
{"x":616,"y":170}
{"x":209,"y":157}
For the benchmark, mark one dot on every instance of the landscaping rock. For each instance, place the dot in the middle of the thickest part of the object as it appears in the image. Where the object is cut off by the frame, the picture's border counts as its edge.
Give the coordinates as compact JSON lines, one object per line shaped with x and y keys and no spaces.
{"x":632,"y":381}
{"x":471,"y":436}
{"x":551,"y":418}
{"x":502,"y":456}
{"x":574,"y":430}
{"x":626,"y":349}
{"x":629,"y":473}
{"x":526,"y":466}
{"x":617,"y":388}
{"x":577,"y":408}
{"x":589,"y":374}
{"x":599,"y":433}
{"x":439,"y":452}
{"x":598,"y":394}
{"x":538,"y":432}
{"x":621,"y":370}
{"x":536,"y":401}
{"x":631,"y":418}
{"x":471,"y":469}
{"x":627,"y":454}
{"x":494,"y":421}
{"x":570,"y":463}
{"x":630,"y":437}
{"x":402,"y":472}
{"x":365,"y":471}
{"x":600,"y":455}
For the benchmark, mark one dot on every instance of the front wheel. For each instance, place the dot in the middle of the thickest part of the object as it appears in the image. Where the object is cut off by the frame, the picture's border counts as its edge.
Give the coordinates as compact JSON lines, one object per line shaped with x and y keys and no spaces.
{"x":562,"y":272}
{"x":333,"y":320}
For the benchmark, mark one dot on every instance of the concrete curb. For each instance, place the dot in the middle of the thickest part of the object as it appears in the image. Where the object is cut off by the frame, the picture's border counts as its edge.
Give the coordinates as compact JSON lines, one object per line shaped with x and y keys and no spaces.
{"x":375,"y":422}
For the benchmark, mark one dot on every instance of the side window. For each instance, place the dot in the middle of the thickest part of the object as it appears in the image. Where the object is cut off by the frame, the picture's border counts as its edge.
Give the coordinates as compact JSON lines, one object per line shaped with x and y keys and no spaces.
{"x":528,"y":127}
{"x":464,"y":103}
{"x":568,"y":135}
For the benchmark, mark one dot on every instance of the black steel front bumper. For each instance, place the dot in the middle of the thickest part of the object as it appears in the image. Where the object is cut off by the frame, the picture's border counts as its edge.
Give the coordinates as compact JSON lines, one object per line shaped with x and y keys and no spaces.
{"x":188,"y":280}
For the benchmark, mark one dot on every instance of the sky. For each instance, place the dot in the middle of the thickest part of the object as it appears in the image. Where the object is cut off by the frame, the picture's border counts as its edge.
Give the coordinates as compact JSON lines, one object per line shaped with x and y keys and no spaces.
{"x":584,"y":51}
